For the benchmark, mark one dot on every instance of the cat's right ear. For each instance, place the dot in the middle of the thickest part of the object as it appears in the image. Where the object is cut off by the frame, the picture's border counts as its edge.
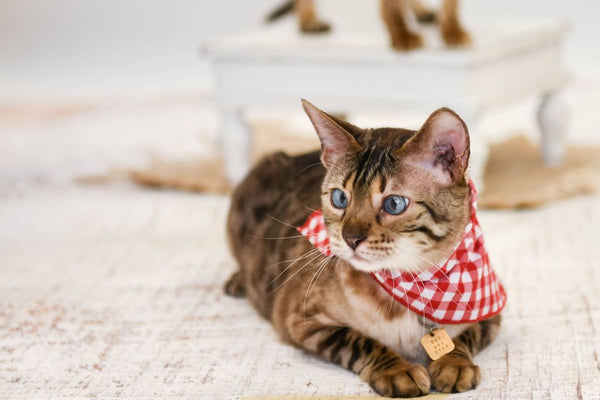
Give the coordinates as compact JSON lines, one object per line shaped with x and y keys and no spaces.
{"x":336,"y":142}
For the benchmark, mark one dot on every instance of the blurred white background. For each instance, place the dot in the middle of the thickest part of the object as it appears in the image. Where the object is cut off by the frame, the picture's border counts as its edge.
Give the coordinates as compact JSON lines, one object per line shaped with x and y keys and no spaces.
{"x":53,"y":49}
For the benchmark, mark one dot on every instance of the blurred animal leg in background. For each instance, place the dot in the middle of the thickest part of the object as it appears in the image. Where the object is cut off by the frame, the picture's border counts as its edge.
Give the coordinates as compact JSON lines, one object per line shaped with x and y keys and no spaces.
{"x":401,"y":24}
{"x":307,"y":17}
{"x":450,"y":27}
{"x":280,"y":11}
{"x":424,"y":14}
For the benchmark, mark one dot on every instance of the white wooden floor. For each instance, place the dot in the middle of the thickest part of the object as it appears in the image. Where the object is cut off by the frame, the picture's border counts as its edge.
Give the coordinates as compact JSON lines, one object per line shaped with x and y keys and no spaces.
{"x":115,"y":291}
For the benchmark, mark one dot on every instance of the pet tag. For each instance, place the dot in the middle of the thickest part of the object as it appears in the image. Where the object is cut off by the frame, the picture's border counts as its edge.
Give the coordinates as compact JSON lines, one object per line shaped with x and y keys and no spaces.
{"x":437,"y":343}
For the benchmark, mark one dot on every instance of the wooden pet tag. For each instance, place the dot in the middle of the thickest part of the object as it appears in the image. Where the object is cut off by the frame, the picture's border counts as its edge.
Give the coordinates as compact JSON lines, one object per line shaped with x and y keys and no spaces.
{"x":437,"y":343}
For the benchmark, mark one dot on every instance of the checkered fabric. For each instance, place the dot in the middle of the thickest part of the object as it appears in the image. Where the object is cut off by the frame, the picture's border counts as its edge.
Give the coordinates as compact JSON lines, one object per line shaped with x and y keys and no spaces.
{"x":464,"y":289}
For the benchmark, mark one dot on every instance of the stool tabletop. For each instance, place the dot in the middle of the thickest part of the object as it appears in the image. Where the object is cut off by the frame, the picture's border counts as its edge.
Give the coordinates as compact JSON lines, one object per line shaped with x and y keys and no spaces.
{"x":284,"y":43}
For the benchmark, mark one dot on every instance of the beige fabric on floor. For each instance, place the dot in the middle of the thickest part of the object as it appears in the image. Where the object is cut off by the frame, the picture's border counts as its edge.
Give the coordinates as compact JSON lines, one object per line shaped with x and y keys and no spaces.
{"x":516,"y":177}
{"x":515,"y":174}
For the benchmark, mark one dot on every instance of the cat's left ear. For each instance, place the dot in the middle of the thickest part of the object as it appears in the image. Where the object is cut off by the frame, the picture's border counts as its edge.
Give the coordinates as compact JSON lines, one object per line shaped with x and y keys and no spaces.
{"x":441,"y":146}
{"x":336,"y":142}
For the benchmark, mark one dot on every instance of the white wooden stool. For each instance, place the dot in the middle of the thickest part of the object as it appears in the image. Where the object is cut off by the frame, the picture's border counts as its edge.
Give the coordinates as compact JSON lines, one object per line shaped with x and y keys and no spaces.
{"x":346,"y":71}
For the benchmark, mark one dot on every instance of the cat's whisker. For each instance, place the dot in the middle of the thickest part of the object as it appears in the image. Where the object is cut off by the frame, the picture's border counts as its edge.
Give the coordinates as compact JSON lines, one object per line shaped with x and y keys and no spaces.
{"x":392,"y":300}
{"x":438,"y":268}
{"x":423,"y":328}
{"x":280,"y":221}
{"x":422,"y":299}
{"x":337,"y":263}
{"x":410,"y":265}
{"x":309,"y":166}
{"x":455,"y":302}
{"x":293,"y":261}
{"x":427,"y":261}
{"x":296,"y":273}
{"x":276,"y":238}
{"x":334,"y":167}
{"x":308,"y":253}
{"x":307,"y":207}
{"x":423,"y":331}
{"x":313,"y":281}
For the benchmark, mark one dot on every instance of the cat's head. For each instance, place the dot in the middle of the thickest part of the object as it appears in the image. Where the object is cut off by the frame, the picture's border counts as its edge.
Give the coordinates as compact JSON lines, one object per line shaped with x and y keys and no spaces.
{"x":394,"y":198}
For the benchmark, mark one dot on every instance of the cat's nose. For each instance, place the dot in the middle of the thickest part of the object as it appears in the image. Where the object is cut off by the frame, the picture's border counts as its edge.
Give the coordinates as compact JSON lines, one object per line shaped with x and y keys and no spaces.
{"x":354,"y":240}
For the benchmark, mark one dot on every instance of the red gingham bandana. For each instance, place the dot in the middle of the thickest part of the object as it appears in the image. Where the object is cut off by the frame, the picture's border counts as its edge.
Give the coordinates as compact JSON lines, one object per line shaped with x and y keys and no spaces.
{"x":464,"y":289}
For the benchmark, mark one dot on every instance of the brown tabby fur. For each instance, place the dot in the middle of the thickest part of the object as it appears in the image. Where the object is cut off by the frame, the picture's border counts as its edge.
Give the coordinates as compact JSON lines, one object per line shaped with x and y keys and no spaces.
{"x":324,"y":304}
{"x":398,"y":16}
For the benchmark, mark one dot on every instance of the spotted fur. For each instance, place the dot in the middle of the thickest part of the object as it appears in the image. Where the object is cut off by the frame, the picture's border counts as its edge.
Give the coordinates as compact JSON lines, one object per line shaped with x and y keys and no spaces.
{"x":330,"y":306}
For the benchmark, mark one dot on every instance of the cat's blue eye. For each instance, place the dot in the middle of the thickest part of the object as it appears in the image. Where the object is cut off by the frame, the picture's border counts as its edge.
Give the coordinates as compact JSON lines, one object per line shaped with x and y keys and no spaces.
{"x":395,"y":204}
{"x":339,"y":199}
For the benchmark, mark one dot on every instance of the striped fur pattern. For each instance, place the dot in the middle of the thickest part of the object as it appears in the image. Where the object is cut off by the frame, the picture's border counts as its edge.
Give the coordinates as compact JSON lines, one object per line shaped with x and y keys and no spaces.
{"x":330,"y":306}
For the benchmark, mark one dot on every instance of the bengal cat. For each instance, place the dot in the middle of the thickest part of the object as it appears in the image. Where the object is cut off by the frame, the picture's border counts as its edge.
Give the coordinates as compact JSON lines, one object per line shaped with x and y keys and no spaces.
{"x":330,"y":305}
{"x":400,"y":17}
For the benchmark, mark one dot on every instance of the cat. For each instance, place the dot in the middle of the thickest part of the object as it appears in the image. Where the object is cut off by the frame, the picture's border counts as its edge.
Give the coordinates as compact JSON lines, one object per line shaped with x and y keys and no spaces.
{"x":400,"y":17}
{"x":330,"y":305}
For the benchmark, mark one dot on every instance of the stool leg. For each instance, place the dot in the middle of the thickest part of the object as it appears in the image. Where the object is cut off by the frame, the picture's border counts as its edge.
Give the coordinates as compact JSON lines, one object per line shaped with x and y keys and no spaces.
{"x":552,"y":118}
{"x":235,"y":139}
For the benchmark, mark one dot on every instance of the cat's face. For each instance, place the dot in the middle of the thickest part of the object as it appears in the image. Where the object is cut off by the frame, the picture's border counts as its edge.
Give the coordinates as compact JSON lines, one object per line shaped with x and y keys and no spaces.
{"x":393,"y":198}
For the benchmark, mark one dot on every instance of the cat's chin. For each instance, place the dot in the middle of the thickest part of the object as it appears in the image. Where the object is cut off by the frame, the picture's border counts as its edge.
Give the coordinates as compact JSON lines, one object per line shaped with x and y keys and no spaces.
{"x":365,"y":265}
{"x":362,"y":264}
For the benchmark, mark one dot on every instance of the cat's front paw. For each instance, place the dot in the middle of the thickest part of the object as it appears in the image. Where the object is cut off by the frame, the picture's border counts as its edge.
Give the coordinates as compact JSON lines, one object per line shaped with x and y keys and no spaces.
{"x":235,"y":285}
{"x":454,"y":374}
{"x":404,"y":380}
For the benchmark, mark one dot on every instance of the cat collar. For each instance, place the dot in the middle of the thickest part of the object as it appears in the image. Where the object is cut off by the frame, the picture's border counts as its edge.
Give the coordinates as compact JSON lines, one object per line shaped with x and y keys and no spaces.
{"x":464,"y":289}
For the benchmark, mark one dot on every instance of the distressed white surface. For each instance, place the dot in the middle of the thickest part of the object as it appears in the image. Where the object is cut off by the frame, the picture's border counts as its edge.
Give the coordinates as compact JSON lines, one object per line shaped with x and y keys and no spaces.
{"x":114,"y":291}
